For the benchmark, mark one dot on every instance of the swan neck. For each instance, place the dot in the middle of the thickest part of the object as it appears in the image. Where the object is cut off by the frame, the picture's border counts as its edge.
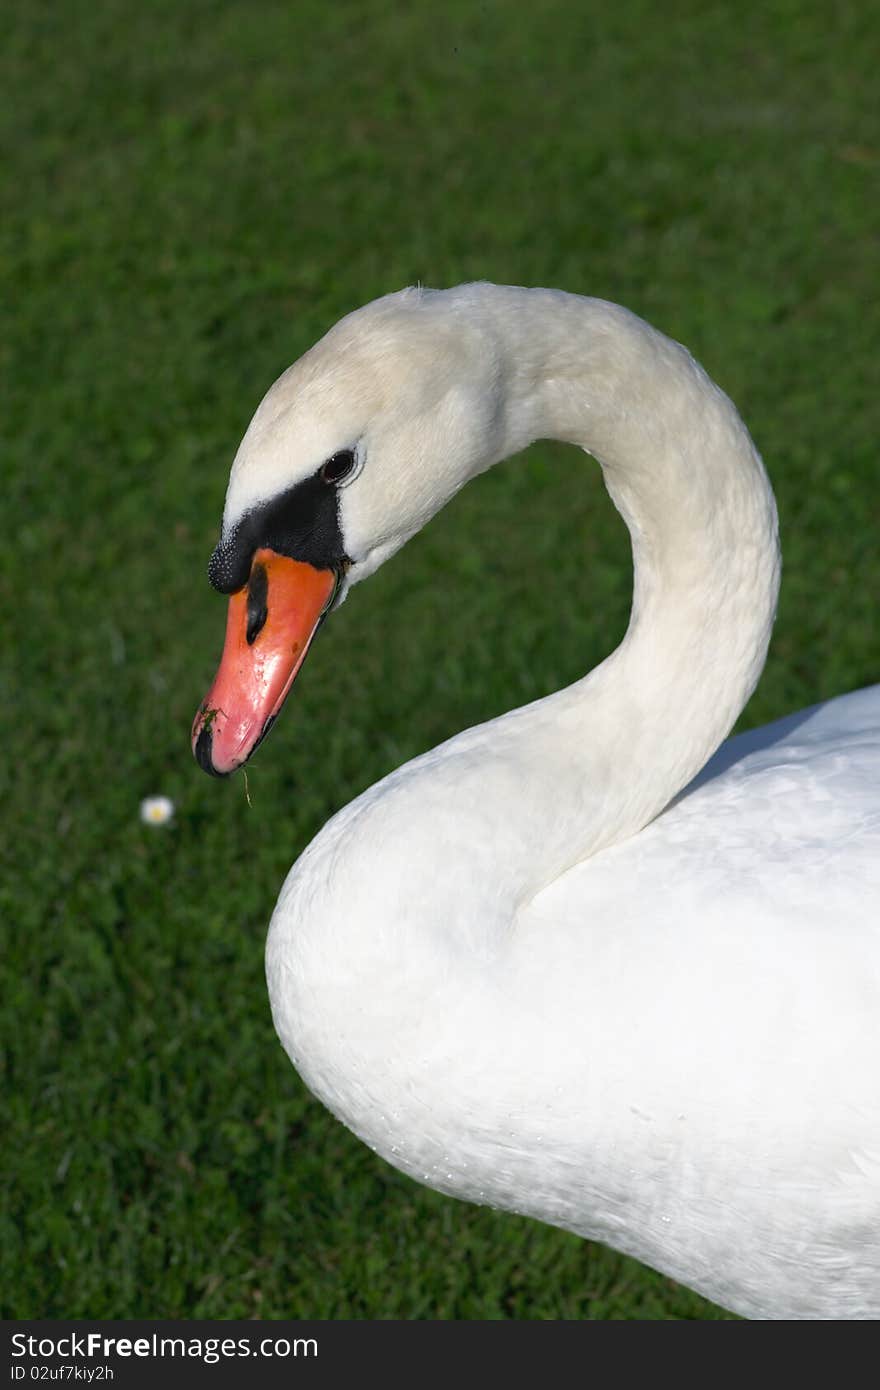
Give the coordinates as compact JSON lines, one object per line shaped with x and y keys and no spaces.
{"x":683,"y":472}
{"x":523,"y":798}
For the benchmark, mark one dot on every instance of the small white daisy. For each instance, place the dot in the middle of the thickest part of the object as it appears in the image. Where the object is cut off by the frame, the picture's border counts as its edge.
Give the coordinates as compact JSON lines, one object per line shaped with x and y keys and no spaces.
{"x":157,"y":810}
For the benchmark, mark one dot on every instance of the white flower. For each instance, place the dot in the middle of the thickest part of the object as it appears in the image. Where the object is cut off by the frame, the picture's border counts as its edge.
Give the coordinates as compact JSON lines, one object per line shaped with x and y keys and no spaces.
{"x":157,"y":810}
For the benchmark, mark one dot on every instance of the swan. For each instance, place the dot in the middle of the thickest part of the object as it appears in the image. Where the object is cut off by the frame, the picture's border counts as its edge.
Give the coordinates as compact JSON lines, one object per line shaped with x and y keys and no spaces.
{"x":569,"y":964}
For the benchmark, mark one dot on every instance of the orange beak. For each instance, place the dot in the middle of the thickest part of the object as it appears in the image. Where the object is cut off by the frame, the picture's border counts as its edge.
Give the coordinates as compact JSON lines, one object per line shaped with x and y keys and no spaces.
{"x":269,"y":628}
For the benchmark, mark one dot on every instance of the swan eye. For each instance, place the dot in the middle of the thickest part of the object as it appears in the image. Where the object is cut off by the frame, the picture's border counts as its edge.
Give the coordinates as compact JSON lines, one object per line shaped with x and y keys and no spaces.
{"x":338,"y":467}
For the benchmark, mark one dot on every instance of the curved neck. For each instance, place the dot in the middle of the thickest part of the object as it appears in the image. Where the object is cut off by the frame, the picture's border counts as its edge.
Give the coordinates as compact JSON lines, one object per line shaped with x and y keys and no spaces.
{"x":510,"y":805}
{"x":602,"y":758}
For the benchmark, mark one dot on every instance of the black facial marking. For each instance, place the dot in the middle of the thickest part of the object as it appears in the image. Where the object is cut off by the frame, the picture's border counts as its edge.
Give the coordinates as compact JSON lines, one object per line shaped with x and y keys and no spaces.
{"x":257,"y":603}
{"x":302,"y":522}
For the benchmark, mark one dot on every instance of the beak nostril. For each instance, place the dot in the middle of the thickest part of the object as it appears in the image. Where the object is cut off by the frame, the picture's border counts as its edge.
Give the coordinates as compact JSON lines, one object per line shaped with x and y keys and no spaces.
{"x":257,"y":603}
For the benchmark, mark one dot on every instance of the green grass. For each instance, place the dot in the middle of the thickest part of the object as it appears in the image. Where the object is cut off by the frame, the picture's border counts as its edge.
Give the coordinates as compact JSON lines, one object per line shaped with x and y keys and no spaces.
{"x":194,"y":192}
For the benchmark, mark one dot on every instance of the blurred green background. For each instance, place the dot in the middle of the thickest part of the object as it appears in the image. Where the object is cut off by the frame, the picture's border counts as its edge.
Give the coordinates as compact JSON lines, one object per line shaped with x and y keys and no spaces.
{"x":194,"y":192}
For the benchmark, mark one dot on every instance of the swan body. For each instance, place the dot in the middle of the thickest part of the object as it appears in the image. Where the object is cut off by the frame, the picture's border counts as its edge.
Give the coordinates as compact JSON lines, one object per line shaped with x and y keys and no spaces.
{"x":570,"y":963}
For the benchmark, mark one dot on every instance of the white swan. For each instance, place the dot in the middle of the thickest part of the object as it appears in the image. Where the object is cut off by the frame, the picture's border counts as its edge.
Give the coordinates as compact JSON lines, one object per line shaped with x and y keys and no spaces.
{"x":672,"y":1045}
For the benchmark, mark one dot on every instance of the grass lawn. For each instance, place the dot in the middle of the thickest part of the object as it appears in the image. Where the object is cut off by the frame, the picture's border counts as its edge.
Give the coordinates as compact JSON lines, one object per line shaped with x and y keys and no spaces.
{"x":194,"y":192}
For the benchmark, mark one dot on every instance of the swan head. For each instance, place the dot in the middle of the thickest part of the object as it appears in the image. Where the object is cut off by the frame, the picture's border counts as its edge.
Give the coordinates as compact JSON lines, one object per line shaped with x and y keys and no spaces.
{"x":349,"y":454}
